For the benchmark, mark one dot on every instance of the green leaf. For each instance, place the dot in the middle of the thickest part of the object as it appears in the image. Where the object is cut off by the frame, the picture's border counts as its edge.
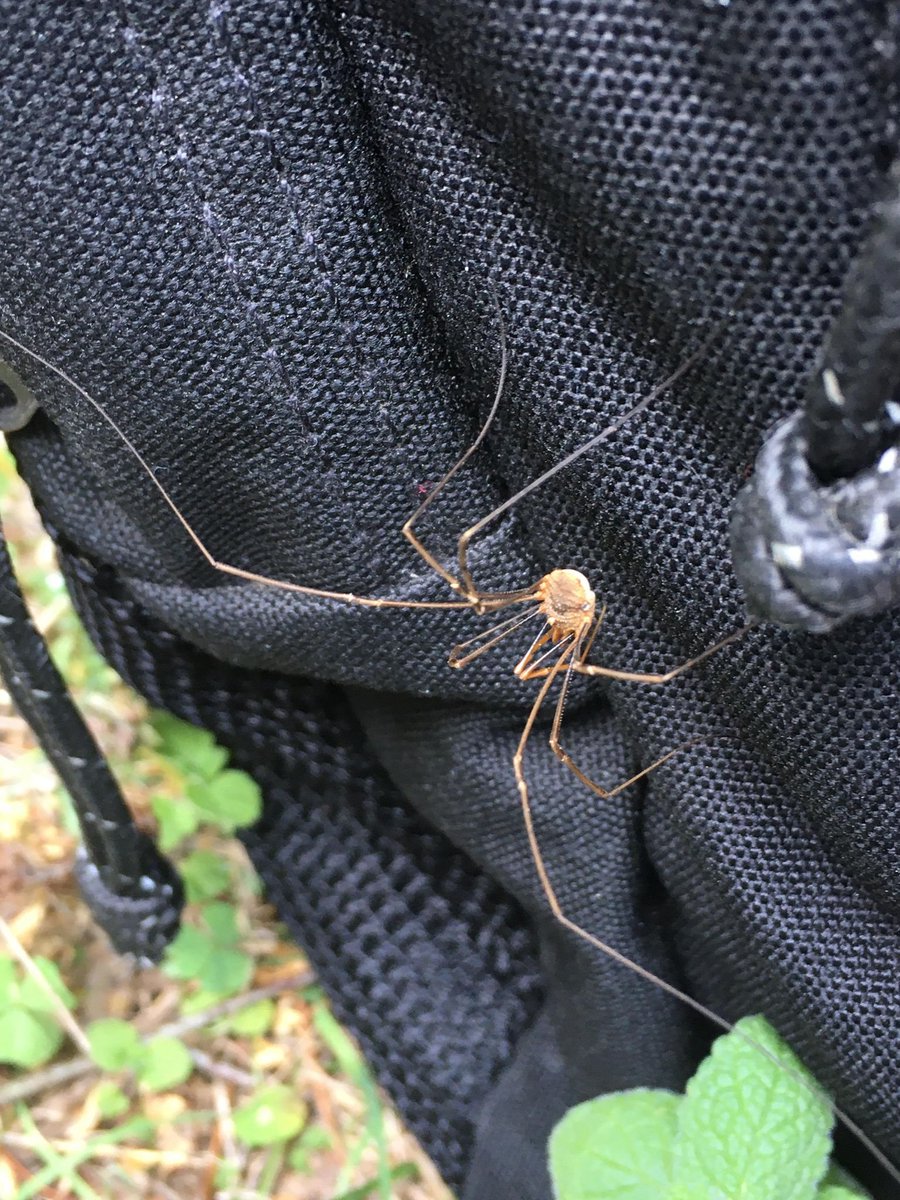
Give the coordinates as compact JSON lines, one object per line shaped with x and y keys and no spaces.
{"x":32,"y":995}
{"x":404,"y":1170}
{"x":115,"y":1044}
{"x":349,"y":1059}
{"x":190,"y":746}
{"x":230,"y":800}
{"x":205,"y":874}
{"x":837,"y":1191}
{"x":271,"y":1115}
{"x":351,"y":1063}
{"x":177,"y":818}
{"x":187,"y":953}
{"x":208,"y":761}
{"x":9,"y":984}
{"x":29,"y":1029}
{"x":313,"y":1138}
{"x":163,"y":725}
{"x":28,"y":1038}
{"x":111,"y":1100}
{"x":838,"y":1185}
{"x":221,"y":920}
{"x":226,"y":971}
{"x":617,"y":1147}
{"x":198,"y":1001}
{"x":227,"y":1174}
{"x":748,"y":1128}
{"x":210,"y":957}
{"x":253,"y":1021}
{"x":166,"y":1063}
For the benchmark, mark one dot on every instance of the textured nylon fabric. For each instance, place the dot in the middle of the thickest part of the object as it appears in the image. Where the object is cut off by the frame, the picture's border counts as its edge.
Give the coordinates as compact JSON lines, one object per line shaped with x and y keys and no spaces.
{"x":264,"y":236}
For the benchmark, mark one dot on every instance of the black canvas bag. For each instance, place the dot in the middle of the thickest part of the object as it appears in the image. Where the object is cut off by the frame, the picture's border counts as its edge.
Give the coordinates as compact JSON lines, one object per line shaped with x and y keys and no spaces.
{"x":267,"y":238}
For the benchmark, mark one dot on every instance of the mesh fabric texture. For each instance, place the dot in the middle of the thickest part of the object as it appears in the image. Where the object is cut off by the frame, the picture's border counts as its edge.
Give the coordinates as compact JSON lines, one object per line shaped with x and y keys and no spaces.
{"x":264,"y":237}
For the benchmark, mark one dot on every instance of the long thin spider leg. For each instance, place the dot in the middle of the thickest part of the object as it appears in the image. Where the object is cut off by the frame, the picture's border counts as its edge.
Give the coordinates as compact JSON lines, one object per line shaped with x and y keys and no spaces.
{"x":616,"y":955}
{"x":466,"y":585}
{"x":607,"y":793}
{"x":544,"y":877}
{"x":564,"y":757}
{"x":458,"y":657}
{"x":535,"y":671}
{"x":224,"y":568}
{"x":664,"y":677}
{"x":583,"y":668}
{"x":494,"y":601}
{"x":604,"y":435}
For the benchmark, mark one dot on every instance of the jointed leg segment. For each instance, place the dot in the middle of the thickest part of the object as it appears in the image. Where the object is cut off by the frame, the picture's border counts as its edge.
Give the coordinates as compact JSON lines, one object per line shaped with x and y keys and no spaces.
{"x":568,"y":661}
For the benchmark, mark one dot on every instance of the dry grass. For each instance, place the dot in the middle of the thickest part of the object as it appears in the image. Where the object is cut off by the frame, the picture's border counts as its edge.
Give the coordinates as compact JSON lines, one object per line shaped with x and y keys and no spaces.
{"x":188,"y":1132}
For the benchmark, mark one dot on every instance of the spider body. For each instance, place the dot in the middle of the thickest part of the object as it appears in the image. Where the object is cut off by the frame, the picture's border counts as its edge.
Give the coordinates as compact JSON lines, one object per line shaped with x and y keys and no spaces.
{"x":567,"y":601}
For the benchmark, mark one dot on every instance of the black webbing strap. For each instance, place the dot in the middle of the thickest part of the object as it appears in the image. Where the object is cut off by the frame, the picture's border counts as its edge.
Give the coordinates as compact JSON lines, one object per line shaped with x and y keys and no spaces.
{"x":816,"y":533}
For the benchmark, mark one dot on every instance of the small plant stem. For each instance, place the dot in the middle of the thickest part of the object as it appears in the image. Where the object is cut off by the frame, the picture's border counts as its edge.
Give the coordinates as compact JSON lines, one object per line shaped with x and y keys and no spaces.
{"x":61,"y":1073}
{"x":222,"y":1102}
{"x":65,"y":1018}
{"x":98,"y":1149}
{"x":55,"y":1076}
{"x":221,"y":1070}
{"x":234,"y":1004}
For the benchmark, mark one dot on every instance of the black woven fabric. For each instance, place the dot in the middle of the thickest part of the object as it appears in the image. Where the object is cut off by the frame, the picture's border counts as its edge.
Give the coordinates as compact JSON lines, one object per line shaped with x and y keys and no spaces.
{"x":262,"y":235}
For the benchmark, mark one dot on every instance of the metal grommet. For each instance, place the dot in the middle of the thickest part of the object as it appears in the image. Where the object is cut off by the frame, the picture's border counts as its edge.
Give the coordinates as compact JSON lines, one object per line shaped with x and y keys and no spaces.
{"x":17,"y":404}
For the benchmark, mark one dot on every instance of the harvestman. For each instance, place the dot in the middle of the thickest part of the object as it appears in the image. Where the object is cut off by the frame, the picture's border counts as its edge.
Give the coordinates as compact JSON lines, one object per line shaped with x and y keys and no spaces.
{"x":571,"y":620}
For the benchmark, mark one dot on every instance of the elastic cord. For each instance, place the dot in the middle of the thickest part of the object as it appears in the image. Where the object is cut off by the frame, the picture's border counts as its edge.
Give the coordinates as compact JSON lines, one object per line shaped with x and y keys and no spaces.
{"x":815,"y":535}
{"x":132,"y":891}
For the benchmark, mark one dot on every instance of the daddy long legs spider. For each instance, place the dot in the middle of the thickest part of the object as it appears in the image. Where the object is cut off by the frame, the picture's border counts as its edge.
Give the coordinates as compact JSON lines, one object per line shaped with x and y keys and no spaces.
{"x":561,"y":601}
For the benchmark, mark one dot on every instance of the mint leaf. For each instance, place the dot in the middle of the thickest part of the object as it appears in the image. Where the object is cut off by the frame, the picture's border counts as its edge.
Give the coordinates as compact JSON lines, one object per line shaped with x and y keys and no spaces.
{"x":838,"y":1185}
{"x":211,"y":794}
{"x":747,"y":1128}
{"x":617,"y":1147}
{"x":837,"y":1191}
